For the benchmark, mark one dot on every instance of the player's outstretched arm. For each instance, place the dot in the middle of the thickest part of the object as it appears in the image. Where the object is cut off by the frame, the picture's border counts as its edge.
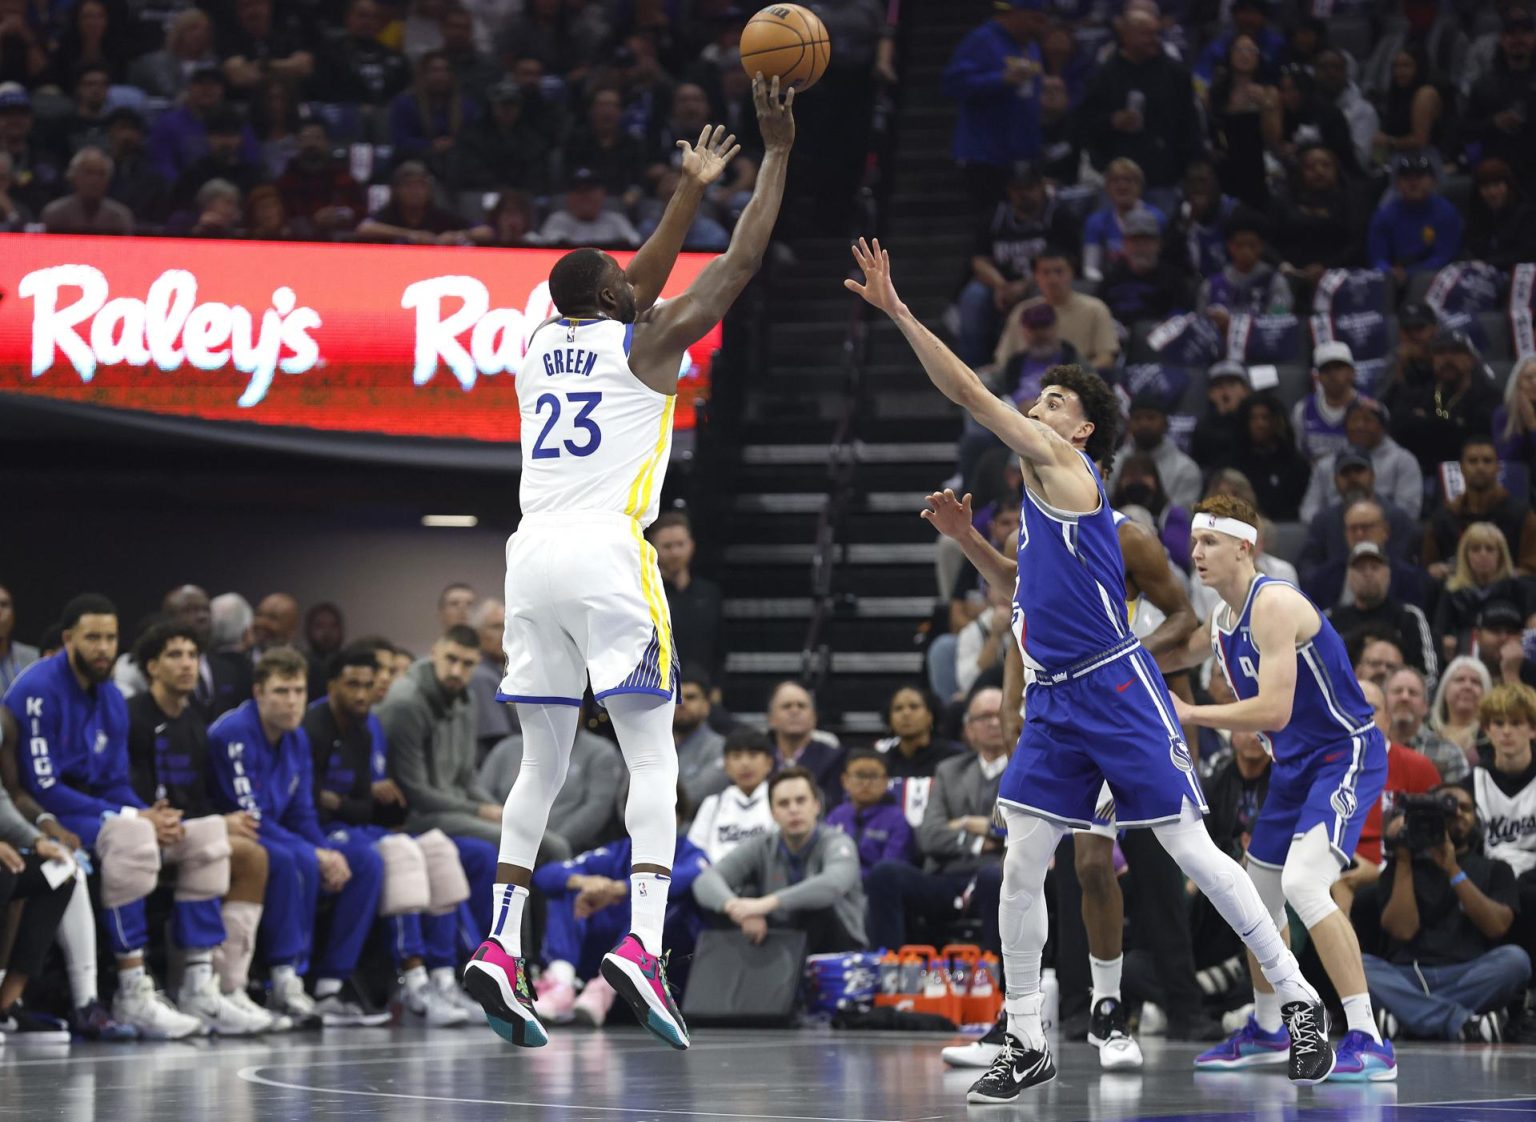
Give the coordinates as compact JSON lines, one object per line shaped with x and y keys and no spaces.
{"x":954,"y":379}
{"x":703,"y":162}
{"x":952,"y":518}
{"x":667,"y":330}
{"x":1278,"y":618}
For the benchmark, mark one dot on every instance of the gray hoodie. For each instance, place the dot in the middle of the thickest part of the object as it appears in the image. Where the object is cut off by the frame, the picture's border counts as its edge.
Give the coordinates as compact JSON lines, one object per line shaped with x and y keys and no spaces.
{"x":432,"y":755}
{"x":828,"y":877}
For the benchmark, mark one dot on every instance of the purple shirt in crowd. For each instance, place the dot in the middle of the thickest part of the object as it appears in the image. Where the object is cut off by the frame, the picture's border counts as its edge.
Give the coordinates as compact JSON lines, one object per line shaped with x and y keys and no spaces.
{"x":880,"y":831}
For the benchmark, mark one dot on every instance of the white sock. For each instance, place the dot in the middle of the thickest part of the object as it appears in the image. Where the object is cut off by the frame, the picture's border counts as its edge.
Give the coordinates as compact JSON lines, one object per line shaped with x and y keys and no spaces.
{"x":415,"y":979}
{"x":1024,"y":1020}
{"x":1266,"y":1010}
{"x":648,"y":907}
{"x":326,"y":987}
{"x":1357,"y":1011}
{"x":444,"y":977}
{"x":128,"y":976}
{"x":561,"y":971}
{"x":198,"y":972}
{"x":507,"y":902}
{"x":1106,"y":977}
{"x":284,"y":975}
{"x":77,"y":939}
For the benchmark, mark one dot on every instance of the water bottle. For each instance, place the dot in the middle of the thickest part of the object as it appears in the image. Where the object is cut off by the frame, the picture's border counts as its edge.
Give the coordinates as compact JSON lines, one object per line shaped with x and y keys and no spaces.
{"x":1050,"y":990}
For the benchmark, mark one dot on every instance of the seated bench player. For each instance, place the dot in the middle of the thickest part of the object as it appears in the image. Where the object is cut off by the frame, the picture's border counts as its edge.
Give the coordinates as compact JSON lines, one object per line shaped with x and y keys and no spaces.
{"x":262,"y":765}
{"x":74,"y":723}
{"x":424,"y":883}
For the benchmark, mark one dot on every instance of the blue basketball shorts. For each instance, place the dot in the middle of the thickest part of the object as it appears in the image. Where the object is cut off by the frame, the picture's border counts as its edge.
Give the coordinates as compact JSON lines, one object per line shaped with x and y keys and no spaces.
{"x":1107,"y":719}
{"x":1335,"y":787}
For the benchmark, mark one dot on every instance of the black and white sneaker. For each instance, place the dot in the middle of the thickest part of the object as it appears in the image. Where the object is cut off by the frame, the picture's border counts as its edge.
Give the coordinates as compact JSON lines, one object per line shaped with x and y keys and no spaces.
{"x":1485,"y":1029}
{"x":1015,"y":1068}
{"x":1311,"y":1059}
{"x":1107,"y":1031}
{"x":981,"y":1051}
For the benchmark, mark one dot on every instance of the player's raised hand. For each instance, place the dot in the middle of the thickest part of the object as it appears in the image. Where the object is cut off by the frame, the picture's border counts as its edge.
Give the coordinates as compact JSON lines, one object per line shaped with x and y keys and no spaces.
{"x":775,"y":117}
{"x":948,"y":515}
{"x":877,"y":287}
{"x":704,"y":161}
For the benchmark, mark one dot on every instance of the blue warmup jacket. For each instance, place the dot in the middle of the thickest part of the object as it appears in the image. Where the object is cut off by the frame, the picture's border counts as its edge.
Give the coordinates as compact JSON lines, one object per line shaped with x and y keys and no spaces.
{"x":73,"y":753}
{"x":276,"y":784}
{"x":998,"y":123}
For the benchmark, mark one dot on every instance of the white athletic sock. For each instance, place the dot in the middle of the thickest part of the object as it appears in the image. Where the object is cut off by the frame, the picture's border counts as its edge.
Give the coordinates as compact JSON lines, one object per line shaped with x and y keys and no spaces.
{"x":198,"y":970}
{"x":1266,"y":1010}
{"x":326,"y":987}
{"x":77,"y":939}
{"x":507,"y":902}
{"x":128,"y":976}
{"x":1357,"y":1011}
{"x":648,"y":907}
{"x":561,"y":971}
{"x":1024,"y":1020}
{"x":444,"y":977}
{"x":284,"y":976}
{"x":415,"y":979}
{"x":1106,"y":977}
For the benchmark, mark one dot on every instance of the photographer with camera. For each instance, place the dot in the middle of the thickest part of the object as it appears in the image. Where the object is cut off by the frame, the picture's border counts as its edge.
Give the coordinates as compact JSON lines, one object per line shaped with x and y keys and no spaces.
{"x":1505,"y":787}
{"x":1447,"y":908}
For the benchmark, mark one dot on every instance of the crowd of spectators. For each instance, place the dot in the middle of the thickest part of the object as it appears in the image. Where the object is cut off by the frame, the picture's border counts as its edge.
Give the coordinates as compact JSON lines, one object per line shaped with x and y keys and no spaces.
{"x":521,"y":122}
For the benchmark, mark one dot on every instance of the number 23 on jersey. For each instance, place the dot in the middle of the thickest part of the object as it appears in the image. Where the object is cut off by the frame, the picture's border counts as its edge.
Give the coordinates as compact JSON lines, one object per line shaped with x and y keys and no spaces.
{"x":582,"y":426}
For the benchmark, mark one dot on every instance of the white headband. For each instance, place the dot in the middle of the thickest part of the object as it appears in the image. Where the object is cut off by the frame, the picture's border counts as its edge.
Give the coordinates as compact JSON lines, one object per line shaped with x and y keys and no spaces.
{"x":1231,"y":526}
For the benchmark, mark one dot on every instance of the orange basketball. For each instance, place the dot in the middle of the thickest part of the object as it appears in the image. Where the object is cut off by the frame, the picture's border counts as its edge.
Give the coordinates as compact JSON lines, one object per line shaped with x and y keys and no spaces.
{"x":788,"y":41}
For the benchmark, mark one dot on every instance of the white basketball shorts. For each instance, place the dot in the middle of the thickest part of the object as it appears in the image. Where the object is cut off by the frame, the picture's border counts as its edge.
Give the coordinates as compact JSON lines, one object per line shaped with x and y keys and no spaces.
{"x":584,"y":598}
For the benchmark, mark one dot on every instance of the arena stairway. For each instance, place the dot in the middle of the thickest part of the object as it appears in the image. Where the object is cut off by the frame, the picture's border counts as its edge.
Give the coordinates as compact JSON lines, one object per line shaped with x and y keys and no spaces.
{"x":829,"y":527}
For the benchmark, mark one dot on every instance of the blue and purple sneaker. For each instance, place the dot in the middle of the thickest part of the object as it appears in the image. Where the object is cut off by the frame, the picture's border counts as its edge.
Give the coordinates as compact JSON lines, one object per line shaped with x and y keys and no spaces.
{"x":1249,"y":1046}
{"x":1363,"y":1059}
{"x":641,"y":979}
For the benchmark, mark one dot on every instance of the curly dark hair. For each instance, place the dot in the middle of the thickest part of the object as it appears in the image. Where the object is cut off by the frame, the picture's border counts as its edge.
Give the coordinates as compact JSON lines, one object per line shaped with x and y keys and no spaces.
{"x":1101,"y":408}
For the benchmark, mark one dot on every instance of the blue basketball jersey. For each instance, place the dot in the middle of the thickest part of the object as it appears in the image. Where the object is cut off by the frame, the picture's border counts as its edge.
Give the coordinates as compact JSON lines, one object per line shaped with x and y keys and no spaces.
{"x":1069,"y":603}
{"x":1328,"y":707}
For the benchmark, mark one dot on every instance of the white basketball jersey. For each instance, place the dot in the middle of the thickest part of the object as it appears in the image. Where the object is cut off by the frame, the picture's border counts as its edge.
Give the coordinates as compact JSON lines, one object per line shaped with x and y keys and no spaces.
{"x":595,"y":438}
{"x":1510,"y":821}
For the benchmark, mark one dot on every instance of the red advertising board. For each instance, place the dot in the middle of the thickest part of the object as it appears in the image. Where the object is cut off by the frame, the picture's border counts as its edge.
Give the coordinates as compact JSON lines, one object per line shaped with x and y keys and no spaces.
{"x":395,"y":340}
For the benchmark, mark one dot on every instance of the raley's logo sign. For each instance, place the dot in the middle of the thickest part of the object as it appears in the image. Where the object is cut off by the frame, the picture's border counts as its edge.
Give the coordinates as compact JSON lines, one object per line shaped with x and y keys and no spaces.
{"x":341,"y":338}
{"x":168,"y":327}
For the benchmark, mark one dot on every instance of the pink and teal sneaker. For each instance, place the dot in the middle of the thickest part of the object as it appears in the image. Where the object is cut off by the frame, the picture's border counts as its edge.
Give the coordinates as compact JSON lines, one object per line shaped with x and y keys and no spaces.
{"x":641,"y":979}
{"x":1362,"y":1059}
{"x":499,"y":982}
{"x":1249,"y":1046}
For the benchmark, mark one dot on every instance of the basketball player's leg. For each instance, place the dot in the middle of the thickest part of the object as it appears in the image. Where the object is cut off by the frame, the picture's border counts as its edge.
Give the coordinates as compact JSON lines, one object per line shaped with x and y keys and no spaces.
{"x":1326,"y":832}
{"x":497,"y":974}
{"x":1104,"y":921}
{"x":635,"y":968}
{"x":1154,"y":785}
{"x":1049,"y":787}
{"x":1023,"y":927}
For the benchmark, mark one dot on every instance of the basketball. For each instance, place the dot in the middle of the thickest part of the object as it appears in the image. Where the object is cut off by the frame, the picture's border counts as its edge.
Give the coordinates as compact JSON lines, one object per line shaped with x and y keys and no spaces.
{"x":788,"y":42}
